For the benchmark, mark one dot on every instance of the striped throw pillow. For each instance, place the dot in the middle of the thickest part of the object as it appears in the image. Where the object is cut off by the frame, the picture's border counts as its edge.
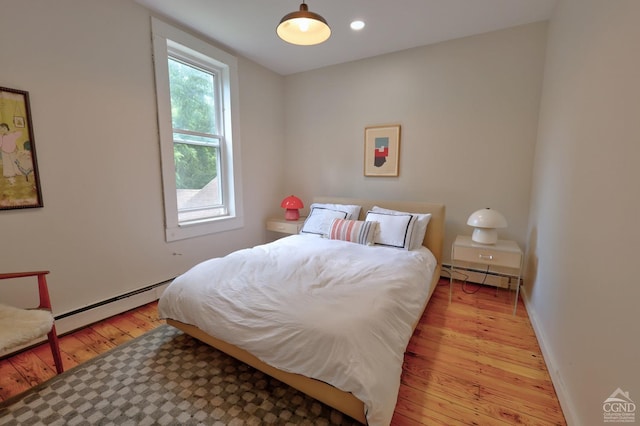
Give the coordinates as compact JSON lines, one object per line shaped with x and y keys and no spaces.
{"x":355,"y":231}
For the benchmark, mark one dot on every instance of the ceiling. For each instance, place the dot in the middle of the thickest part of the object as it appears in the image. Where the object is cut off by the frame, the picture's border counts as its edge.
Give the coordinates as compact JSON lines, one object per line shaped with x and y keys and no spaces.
{"x":248,"y":27}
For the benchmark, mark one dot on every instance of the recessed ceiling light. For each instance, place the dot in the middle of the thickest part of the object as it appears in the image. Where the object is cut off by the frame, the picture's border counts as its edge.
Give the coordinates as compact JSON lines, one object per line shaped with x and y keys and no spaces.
{"x":357,"y":25}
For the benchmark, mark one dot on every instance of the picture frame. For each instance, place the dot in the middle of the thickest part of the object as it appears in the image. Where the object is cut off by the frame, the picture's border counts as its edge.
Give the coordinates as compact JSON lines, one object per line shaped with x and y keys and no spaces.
{"x":19,"y":178}
{"x":382,"y":151}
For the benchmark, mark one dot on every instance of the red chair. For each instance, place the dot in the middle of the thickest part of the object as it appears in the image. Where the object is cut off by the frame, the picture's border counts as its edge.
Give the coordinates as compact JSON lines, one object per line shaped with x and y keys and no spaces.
{"x":19,"y":326}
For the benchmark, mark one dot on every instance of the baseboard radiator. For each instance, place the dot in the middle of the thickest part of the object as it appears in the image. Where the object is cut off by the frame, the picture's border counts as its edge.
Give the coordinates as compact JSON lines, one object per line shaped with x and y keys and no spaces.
{"x":87,"y":315}
{"x":478,"y":276}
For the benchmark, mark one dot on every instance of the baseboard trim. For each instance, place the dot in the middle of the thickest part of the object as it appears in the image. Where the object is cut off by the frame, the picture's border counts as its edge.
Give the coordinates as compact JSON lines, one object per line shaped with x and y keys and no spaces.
{"x":556,"y":378}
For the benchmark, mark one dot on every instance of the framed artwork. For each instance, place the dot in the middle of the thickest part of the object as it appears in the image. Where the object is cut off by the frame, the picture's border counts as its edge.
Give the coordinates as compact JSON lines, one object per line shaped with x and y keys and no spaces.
{"x":19,"y":180}
{"x":381,"y":150}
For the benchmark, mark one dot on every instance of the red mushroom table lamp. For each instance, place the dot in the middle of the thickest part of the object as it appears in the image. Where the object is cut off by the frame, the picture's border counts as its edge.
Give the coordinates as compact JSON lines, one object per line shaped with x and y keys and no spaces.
{"x":292,"y":204}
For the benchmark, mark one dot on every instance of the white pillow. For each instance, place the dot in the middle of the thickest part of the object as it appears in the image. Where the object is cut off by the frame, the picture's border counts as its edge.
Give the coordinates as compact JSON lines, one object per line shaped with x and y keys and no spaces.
{"x":352,"y":211}
{"x":419,"y":229}
{"x":394,"y":230}
{"x":319,"y":220}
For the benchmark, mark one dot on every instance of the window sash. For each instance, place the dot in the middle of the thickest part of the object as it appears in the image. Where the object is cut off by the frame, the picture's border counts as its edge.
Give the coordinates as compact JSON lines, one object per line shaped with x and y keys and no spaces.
{"x":210,"y":201}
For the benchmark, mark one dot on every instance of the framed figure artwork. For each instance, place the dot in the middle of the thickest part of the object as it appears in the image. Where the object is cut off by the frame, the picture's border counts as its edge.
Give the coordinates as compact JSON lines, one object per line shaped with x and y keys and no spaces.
{"x":19,"y":179}
{"x":382,"y":151}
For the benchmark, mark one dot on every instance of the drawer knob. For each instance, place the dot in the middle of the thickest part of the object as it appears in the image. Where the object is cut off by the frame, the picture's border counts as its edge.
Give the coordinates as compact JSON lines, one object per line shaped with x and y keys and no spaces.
{"x":485,"y":256}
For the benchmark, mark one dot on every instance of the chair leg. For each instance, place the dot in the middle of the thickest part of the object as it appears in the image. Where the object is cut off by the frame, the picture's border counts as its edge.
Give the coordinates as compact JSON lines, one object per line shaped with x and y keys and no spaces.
{"x":55,"y":349}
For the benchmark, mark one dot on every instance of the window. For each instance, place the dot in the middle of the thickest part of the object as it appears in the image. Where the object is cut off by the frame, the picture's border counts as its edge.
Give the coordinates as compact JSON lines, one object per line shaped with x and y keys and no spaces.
{"x":196,"y":140}
{"x":196,"y":87}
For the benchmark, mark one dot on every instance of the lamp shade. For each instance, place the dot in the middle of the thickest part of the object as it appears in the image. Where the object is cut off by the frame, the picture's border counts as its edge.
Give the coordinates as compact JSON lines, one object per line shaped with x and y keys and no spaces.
{"x":303,"y":27}
{"x":485,"y":222}
{"x":292,"y":204}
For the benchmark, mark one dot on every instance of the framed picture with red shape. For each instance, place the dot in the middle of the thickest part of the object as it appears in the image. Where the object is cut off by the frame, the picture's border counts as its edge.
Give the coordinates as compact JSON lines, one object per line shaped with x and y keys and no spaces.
{"x":382,"y":150}
{"x":19,"y":180}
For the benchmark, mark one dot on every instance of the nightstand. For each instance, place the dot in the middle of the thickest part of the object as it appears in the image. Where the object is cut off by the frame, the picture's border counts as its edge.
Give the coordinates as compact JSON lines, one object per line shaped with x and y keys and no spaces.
{"x":505,"y":256}
{"x":280,"y":224}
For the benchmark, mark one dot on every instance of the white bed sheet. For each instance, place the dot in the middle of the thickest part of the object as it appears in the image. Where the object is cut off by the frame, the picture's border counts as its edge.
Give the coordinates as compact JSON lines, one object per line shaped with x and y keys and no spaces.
{"x":332,"y":310}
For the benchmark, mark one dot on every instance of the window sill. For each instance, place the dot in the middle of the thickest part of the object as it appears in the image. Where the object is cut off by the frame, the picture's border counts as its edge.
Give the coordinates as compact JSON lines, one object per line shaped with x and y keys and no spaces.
{"x":205,"y":227}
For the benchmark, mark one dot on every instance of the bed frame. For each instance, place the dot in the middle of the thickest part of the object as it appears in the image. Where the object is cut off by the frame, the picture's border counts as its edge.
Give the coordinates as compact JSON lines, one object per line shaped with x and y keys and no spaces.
{"x":342,"y":401}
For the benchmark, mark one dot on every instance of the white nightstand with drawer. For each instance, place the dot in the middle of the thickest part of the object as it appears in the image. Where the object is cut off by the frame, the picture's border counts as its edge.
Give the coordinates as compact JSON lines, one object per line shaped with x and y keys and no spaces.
{"x":505,"y":255}
{"x":280,"y":224}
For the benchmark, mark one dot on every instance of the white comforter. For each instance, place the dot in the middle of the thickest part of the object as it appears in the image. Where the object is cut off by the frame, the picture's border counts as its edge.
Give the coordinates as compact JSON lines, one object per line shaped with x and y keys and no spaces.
{"x":332,"y":310}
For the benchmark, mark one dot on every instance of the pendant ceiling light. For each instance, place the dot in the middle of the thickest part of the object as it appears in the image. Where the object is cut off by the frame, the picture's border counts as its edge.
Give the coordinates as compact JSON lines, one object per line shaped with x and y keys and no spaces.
{"x":303,"y":27}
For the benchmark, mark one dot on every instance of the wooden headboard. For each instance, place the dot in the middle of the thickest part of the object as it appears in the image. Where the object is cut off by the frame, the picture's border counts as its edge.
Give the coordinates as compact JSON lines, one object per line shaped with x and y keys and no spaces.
{"x":434,"y":237}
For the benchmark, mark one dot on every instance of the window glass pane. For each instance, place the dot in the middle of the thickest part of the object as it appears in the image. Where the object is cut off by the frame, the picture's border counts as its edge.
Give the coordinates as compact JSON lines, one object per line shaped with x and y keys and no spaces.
{"x":192,"y":98}
{"x":197,"y":182}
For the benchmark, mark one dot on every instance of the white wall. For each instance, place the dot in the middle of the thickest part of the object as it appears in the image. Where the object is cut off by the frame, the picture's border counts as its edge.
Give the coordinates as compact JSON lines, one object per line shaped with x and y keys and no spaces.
{"x":468,"y":110}
{"x":88,"y":69}
{"x":582,"y":285}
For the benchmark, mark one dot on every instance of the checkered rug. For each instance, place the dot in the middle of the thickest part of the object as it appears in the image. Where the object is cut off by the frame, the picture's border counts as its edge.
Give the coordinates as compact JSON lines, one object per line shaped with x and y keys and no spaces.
{"x":166,"y":378}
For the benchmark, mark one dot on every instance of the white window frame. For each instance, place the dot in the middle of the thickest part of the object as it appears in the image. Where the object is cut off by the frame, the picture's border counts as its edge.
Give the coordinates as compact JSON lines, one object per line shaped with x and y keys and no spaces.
{"x":166,"y":39}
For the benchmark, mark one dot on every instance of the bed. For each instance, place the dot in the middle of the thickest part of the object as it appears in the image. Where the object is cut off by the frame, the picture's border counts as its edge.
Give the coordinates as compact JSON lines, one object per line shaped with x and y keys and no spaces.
{"x":326,"y":316}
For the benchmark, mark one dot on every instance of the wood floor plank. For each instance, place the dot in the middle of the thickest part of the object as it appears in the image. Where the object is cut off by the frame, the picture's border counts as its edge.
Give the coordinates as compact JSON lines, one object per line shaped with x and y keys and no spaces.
{"x":32,"y":368}
{"x":131,"y":324}
{"x":43,"y":351}
{"x":461,"y":363}
{"x":113,"y":334}
{"x":76,"y":349}
{"x":149,"y":313}
{"x":520,"y":409}
{"x":409,"y":413}
{"x":11,"y":381}
{"x":94,"y":340}
{"x":400,"y":419}
{"x":437,"y":382}
{"x":432,"y":406}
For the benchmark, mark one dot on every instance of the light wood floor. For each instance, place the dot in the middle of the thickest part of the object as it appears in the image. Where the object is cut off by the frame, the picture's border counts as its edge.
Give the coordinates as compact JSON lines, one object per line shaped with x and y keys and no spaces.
{"x":470,"y":362}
